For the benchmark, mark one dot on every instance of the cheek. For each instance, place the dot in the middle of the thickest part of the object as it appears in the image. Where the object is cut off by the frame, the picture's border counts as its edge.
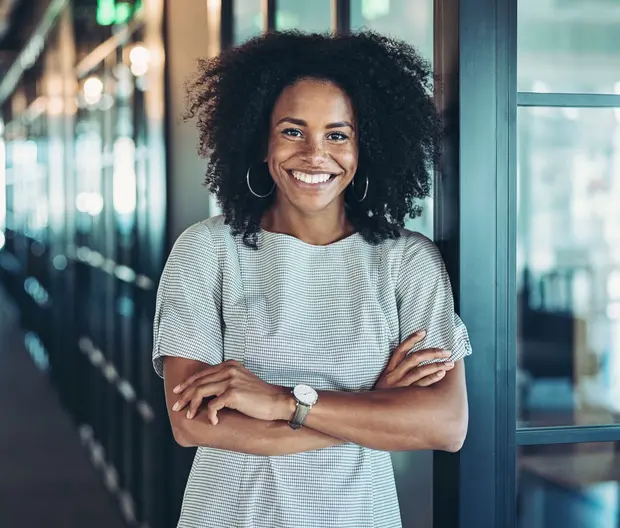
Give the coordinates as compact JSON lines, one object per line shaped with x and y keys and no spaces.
{"x":348,"y":158}
{"x":279,"y":150}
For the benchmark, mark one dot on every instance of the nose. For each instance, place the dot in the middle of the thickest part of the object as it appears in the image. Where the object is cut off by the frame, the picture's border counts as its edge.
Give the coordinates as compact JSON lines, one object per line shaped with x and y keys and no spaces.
{"x":314,"y":152}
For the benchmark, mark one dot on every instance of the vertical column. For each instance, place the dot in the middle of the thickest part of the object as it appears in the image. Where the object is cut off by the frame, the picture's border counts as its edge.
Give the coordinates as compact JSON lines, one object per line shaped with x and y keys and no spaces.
{"x":487,"y":44}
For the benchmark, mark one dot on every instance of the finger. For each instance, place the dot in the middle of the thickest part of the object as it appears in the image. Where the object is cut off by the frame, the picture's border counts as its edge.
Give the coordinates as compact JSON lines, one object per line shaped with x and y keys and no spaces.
{"x":203,"y":391}
{"x":415,"y":359}
{"x":414,"y":375}
{"x":210,"y":377}
{"x":184,"y":399}
{"x":419,"y":373}
{"x":195,"y":404}
{"x":223,"y":400}
{"x":193,"y":379}
{"x":204,"y":372}
{"x":430,"y":380}
{"x":399,"y":354}
{"x":206,"y":391}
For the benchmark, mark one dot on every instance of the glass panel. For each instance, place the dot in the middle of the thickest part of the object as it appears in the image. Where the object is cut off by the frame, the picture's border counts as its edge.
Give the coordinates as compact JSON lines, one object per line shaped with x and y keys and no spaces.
{"x":569,"y":46}
{"x":248,"y":20}
{"x":409,"y":20}
{"x":572,"y":486}
{"x":312,"y":16}
{"x":568,"y":266}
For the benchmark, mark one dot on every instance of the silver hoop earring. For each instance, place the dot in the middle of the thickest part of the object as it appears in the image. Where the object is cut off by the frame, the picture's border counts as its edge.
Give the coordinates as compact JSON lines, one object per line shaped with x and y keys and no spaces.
{"x":365,"y":190}
{"x":252,"y":190}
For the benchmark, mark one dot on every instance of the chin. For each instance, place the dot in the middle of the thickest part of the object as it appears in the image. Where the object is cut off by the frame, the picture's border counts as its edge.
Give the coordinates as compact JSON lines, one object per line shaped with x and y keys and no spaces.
{"x":310,"y":207}
{"x":312,"y":199}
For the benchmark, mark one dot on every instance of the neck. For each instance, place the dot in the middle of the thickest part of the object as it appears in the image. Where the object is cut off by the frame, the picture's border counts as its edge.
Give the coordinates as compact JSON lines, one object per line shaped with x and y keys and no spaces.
{"x":320,"y":229}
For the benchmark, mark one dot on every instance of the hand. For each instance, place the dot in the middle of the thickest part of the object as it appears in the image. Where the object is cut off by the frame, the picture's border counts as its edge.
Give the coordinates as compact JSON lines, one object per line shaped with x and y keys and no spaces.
{"x":237,"y":388}
{"x":406,"y":370}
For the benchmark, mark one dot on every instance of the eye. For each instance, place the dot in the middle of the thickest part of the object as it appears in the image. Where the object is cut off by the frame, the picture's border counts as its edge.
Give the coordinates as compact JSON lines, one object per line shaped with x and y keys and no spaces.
{"x":338,"y":136}
{"x":292,"y":132}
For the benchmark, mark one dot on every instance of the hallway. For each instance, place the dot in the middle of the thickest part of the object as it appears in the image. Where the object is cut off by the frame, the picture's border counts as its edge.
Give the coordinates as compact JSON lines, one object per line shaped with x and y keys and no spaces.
{"x":46,"y":479}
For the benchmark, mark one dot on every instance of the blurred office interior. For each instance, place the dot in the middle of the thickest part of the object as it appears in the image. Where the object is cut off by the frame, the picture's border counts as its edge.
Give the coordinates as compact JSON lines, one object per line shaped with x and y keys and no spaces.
{"x":98,"y":176}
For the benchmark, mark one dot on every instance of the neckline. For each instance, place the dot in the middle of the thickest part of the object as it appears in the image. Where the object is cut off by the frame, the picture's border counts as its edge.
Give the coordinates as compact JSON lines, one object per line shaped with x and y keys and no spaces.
{"x":296,"y":240}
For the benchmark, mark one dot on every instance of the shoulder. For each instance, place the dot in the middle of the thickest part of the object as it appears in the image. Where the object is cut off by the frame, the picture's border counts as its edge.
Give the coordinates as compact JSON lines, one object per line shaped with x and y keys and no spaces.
{"x":198,"y":244}
{"x":417,"y":245}
{"x":216,"y":225}
{"x":411,"y":245}
{"x":201,"y":236}
{"x":194,"y":257}
{"x":419,"y":254}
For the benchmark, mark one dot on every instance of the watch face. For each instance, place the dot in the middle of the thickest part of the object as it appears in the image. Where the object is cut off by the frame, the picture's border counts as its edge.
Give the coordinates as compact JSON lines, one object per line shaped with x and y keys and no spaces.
{"x":305,"y":394}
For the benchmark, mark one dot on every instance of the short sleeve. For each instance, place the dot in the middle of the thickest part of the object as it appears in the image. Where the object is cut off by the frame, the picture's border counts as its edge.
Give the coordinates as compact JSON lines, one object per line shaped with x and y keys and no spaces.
{"x":188,"y":321}
{"x":425,"y":301}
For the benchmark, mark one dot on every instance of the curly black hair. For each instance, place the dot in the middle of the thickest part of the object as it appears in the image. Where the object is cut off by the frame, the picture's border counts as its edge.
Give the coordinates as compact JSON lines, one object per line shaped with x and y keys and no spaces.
{"x":390,"y":86}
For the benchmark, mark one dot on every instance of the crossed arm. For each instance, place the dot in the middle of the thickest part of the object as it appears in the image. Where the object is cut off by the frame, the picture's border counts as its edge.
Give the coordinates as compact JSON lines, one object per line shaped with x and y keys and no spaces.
{"x":395,"y":419}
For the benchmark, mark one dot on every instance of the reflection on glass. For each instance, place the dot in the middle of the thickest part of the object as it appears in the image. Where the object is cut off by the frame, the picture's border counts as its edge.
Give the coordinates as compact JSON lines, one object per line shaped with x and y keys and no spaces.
{"x":88,"y":166}
{"x":93,"y":89}
{"x":124,"y":180}
{"x":568,"y":266}
{"x":568,"y":46}
{"x":569,"y":486}
{"x":140,"y":58}
{"x":312,"y":16}
{"x":409,"y":20}
{"x":248,"y":20}
{"x":89,"y":202}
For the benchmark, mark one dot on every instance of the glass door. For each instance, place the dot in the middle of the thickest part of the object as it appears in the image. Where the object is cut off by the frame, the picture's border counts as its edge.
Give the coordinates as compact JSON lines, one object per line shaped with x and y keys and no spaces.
{"x":539,"y":177}
{"x":568,"y":265}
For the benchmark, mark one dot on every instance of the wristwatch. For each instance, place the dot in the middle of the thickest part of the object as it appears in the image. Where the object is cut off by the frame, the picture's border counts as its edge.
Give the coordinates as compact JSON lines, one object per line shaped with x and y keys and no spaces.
{"x":306,"y":397}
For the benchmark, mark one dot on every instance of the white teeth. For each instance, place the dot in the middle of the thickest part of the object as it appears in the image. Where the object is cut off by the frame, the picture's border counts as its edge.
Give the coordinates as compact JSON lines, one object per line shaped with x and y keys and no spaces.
{"x":310,"y":178}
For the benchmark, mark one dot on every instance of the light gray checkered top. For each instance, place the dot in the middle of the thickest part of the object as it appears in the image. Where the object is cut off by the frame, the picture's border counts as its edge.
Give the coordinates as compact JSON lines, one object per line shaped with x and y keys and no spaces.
{"x":291,"y":312}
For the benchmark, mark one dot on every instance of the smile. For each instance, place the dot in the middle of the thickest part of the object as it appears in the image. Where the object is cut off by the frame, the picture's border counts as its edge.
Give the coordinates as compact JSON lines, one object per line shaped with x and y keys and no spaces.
{"x":312,"y":179}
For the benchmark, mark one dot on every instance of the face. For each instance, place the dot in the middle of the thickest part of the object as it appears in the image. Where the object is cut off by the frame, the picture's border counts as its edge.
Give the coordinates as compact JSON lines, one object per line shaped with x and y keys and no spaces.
{"x":312,"y":154}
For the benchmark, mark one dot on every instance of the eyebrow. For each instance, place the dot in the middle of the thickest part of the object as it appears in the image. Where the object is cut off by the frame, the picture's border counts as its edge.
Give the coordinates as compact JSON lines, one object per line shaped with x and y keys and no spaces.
{"x":301,"y":122}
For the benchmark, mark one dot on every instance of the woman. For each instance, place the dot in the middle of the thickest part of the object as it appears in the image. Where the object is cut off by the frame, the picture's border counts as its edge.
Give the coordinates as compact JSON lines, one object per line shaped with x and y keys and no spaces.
{"x":283,"y":328}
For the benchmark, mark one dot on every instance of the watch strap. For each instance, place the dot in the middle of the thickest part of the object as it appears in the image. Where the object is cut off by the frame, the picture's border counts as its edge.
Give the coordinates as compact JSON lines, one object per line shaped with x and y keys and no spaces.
{"x":301,"y":411}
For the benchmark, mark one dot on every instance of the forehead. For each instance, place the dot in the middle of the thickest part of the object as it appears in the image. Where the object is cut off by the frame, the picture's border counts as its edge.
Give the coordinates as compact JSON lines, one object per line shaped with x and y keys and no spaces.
{"x":312,"y":99}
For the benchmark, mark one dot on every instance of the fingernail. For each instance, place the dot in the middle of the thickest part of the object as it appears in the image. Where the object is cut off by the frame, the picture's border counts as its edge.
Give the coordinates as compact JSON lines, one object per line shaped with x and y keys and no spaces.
{"x":446,"y":353}
{"x":189,"y":414}
{"x":449,"y":364}
{"x":175,"y":407}
{"x":177,"y":388}
{"x":421,"y":333}
{"x":441,"y":373}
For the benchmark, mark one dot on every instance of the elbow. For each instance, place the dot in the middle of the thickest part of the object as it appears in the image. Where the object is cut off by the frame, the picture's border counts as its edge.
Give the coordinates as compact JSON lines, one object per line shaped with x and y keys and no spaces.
{"x":455,"y":433}
{"x":180,"y":434}
{"x":453,"y":444}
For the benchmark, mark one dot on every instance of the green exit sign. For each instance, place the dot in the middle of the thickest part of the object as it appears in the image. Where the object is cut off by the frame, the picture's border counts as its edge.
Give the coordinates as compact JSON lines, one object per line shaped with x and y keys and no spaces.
{"x":111,"y":12}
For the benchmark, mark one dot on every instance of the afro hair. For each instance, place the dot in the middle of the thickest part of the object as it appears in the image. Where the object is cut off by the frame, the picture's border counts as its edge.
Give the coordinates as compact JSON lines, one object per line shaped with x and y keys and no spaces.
{"x":398,"y":127}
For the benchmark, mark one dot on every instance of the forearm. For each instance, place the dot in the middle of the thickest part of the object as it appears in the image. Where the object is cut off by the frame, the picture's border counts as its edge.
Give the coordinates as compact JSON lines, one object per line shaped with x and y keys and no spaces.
{"x":238,"y":432}
{"x":400,"y":419}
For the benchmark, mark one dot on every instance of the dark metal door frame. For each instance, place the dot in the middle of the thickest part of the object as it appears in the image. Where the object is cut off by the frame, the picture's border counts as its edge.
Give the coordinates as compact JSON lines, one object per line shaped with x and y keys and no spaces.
{"x":486,"y":287}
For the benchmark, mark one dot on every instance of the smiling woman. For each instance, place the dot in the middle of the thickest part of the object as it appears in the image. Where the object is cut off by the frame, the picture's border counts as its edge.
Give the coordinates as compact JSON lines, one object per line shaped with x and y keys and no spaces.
{"x":305,"y":334}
